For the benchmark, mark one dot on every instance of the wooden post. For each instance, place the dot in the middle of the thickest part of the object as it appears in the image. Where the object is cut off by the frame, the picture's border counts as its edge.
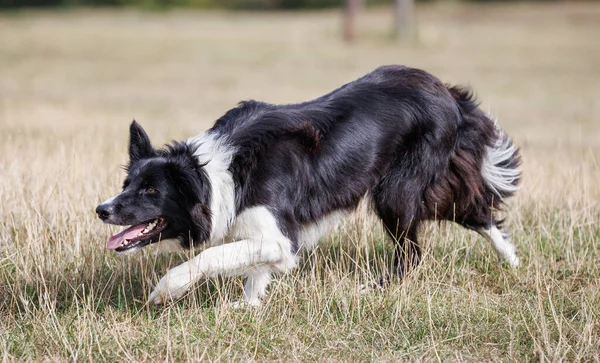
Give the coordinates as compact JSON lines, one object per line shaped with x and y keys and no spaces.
{"x":350,"y":11}
{"x":405,"y":19}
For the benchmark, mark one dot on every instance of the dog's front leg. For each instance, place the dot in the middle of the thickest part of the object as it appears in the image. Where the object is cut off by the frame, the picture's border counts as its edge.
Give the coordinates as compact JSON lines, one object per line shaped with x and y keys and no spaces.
{"x":230,"y":259}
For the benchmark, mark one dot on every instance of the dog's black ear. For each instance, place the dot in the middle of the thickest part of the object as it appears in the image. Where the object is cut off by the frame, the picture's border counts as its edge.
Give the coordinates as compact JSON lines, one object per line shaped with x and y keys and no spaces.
{"x":202,"y":222}
{"x":139,"y":143}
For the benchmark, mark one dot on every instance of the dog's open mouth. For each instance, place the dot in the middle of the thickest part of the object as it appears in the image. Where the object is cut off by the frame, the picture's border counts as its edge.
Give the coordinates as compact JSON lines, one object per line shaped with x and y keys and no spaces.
{"x":137,"y":235}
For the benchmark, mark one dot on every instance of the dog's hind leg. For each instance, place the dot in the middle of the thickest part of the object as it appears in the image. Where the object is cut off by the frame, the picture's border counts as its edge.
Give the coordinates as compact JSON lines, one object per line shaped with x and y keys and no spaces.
{"x":481,"y":220}
{"x":401,"y":220}
{"x":408,"y":252}
{"x":501,"y":243}
{"x":500,"y":240}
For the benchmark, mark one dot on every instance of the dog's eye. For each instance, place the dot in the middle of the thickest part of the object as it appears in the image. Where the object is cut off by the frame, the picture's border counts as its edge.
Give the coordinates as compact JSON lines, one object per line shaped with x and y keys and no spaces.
{"x":151,"y":190}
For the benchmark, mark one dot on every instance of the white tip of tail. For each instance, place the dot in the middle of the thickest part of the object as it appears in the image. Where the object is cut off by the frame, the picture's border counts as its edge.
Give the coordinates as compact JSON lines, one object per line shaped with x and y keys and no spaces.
{"x":497,"y":170}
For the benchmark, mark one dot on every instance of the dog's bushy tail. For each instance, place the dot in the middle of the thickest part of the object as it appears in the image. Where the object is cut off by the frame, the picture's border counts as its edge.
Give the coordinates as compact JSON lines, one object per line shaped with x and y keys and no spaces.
{"x":497,"y":157}
{"x":500,"y":167}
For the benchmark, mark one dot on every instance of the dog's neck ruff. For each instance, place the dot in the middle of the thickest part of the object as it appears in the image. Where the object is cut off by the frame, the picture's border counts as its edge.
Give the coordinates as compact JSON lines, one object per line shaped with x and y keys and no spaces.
{"x":214,"y":153}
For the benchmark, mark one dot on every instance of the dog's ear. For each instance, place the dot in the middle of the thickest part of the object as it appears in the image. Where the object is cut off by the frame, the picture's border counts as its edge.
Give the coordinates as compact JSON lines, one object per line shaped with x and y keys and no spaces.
{"x":202,"y":222}
{"x":139,"y":143}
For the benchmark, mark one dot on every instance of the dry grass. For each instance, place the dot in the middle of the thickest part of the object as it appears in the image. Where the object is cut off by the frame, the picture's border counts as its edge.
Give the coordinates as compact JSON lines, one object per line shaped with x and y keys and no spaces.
{"x":70,"y":83}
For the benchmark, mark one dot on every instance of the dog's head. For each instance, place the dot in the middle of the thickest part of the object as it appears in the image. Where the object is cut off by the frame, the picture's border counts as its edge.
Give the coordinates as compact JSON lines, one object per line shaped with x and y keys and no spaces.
{"x":165,"y":196}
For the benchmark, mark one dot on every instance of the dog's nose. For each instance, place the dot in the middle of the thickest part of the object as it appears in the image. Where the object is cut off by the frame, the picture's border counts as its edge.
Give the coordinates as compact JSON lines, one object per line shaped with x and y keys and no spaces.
{"x":104,"y":211}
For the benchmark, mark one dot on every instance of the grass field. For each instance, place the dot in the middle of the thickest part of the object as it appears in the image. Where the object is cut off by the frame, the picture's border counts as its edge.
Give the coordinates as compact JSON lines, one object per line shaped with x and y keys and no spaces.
{"x":71,"y":81}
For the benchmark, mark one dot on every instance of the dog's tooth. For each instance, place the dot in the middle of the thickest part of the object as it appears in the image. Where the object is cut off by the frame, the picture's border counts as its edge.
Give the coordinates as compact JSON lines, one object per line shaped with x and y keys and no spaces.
{"x":149,"y":227}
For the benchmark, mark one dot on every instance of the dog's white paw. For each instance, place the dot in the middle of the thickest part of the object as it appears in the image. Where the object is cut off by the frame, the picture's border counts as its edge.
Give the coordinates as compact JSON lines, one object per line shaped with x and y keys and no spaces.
{"x":172,"y":286}
{"x":513,"y":260}
{"x":238,"y":305}
{"x":371,"y":287}
{"x":245,"y":304}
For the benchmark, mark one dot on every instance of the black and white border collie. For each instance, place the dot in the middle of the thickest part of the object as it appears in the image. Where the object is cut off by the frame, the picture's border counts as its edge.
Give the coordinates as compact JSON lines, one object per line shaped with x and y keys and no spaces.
{"x":268,"y":181}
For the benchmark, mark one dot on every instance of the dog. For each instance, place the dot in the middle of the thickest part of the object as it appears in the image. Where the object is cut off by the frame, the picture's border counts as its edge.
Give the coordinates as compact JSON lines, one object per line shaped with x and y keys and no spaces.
{"x":269,"y":181}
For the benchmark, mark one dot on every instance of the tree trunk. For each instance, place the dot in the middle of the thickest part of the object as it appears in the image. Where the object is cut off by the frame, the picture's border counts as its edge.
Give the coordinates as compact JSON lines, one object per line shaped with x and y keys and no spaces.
{"x":405,"y":19}
{"x":350,"y":11}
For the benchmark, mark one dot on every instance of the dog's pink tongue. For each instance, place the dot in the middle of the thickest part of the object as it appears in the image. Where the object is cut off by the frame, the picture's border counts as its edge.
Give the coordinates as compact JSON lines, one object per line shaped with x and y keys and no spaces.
{"x":129,"y":233}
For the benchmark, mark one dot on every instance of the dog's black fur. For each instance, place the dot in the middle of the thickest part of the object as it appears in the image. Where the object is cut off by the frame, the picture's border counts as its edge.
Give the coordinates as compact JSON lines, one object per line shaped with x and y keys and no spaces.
{"x":398,"y":135}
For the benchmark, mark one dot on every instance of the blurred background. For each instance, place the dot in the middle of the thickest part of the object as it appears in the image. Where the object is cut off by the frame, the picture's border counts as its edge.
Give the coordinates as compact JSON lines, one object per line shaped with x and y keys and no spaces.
{"x":193,"y":59}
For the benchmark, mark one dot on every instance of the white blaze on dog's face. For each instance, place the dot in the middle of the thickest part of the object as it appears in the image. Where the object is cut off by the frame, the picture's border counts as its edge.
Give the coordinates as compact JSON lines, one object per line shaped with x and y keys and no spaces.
{"x":166,"y":195}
